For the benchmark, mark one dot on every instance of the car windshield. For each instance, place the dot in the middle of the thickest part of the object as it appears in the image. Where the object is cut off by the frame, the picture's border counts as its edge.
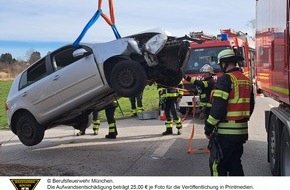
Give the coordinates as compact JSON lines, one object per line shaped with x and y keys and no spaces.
{"x":201,"y":56}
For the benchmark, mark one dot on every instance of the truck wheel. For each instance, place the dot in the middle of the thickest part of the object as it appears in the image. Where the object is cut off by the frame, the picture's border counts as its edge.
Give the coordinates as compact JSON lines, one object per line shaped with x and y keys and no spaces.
{"x":83,"y":121}
{"x":273,"y":145}
{"x":128,"y":78}
{"x":28,"y":130}
{"x":285,"y":153}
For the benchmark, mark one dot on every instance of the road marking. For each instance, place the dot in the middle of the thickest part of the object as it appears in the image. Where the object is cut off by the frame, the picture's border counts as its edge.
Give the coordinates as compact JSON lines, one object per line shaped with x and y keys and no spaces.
{"x":162,"y":149}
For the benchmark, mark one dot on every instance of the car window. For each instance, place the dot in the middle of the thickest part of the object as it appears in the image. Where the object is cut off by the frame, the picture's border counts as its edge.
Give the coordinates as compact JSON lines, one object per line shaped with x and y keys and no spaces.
{"x":34,"y":73}
{"x":64,"y":57}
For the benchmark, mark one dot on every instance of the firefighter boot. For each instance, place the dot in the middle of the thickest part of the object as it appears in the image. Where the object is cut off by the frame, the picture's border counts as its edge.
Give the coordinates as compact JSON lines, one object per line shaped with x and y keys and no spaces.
{"x":96,"y":126}
{"x":168,"y":125}
{"x":81,"y":133}
{"x":168,"y":131}
{"x":112,"y":131}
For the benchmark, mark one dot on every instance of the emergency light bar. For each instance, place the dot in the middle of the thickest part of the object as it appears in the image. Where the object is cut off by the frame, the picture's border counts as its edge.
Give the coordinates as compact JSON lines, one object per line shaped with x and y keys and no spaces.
{"x":224,"y":37}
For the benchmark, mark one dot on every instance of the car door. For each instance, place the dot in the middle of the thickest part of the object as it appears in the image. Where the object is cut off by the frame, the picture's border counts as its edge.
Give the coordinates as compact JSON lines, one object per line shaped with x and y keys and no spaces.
{"x":77,"y":79}
{"x":37,"y":91}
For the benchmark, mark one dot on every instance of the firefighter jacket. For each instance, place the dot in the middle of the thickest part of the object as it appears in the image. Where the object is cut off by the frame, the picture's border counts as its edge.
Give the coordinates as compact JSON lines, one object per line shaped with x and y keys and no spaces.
{"x":205,"y":88}
{"x":171,"y":92}
{"x":233,"y":104}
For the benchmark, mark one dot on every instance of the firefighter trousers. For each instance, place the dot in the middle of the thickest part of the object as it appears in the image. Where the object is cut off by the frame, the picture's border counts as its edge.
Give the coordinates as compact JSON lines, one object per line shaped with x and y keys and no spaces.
{"x":230,"y":163}
{"x":170,"y":109}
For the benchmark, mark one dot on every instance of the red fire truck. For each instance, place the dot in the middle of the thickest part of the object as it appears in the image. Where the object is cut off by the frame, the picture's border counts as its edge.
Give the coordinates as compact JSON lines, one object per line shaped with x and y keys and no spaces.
{"x":206,"y":53}
{"x":273,"y":79}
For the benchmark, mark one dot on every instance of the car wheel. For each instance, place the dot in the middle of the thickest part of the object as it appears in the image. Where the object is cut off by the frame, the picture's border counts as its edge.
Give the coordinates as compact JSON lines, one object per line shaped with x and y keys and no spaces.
{"x":83,"y":121}
{"x":28,"y":130}
{"x":128,"y":78}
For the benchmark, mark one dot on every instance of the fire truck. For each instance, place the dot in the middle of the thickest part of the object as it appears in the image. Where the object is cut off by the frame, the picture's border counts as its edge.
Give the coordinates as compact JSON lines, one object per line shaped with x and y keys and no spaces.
{"x":206,"y":53}
{"x":273,"y":79}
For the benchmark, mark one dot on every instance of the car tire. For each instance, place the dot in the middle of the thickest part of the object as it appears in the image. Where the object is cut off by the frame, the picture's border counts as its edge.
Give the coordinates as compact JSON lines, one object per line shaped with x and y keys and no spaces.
{"x":83,"y":121}
{"x":128,"y":78}
{"x":29,"y":132}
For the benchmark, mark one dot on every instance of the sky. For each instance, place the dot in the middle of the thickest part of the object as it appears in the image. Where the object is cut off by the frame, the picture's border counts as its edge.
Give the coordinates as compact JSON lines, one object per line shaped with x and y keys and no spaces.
{"x":45,"y":25}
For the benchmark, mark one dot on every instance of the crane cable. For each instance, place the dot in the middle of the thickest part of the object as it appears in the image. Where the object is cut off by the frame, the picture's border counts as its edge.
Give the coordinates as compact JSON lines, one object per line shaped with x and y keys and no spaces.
{"x":110,"y":20}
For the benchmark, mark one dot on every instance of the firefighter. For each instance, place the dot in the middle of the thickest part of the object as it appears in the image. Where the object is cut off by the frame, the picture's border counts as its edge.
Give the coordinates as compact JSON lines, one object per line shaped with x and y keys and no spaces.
{"x":205,"y":86}
{"x":170,"y":97}
{"x":227,"y":124}
{"x":110,"y":114}
{"x":136,"y":99}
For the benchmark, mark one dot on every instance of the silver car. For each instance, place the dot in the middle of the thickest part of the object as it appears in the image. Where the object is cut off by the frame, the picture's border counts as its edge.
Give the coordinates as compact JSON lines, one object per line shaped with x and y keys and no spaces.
{"x":67,"y":84}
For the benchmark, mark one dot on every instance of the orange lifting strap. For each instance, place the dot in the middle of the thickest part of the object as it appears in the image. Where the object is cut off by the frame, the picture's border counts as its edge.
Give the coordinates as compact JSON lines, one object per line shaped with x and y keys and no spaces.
{"x":190,"y":149}
{"x":110,"y":20}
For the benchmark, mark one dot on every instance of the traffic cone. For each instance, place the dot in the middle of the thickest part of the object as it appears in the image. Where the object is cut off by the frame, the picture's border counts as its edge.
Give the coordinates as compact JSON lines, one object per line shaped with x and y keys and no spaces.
{"x":162,"y":115}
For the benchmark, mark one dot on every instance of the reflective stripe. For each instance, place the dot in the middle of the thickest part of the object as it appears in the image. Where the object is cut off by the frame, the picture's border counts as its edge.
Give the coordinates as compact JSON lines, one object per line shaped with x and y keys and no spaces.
{"x":220,"y":94}
{"x":202,"y":96}
{"x":97,"y":122}
{"x":140,"y":109}
{"x":232,"y":128}
{"x":233,"y":131}
{"x":211,"y":120}
{"x":238,"y":113}
{"x":214,"y":168}
{"x":112,"y":130}
{"x":205,"y":83}
{"x":240,"y":100}
{"x":192,"y":80}
{"x":204,"y":104}
{"x":112,"y":127}
{"x":168,"y":95}
{"x":178,"y":121}
{"x":168,"y":124}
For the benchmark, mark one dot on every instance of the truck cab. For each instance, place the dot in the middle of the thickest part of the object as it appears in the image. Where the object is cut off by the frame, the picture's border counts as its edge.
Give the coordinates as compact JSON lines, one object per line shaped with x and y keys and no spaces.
{"x":206,"y":53}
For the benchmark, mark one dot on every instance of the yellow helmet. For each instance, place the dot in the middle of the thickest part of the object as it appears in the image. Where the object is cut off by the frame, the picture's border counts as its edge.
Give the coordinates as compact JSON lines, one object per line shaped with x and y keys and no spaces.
{"x":229,"y":54}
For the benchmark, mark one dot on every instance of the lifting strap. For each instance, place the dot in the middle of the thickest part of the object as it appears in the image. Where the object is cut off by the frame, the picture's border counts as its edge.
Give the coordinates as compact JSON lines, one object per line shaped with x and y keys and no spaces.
{"x":110,"y":21}
{"x":190,"y":149}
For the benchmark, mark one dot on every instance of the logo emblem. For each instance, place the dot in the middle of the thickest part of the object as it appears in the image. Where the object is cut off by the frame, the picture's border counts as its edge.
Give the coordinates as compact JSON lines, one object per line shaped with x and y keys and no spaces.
{"x":25,"y":184}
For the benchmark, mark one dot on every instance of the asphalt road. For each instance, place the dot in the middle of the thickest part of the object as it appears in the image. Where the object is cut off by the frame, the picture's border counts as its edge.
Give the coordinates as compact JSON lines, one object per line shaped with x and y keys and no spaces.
{"x":139,"y":150}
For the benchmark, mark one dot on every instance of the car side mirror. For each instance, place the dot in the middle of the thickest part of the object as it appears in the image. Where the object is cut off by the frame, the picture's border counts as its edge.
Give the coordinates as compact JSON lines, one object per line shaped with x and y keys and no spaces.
{"x":81,"y":52}
{"x":156,"y":43}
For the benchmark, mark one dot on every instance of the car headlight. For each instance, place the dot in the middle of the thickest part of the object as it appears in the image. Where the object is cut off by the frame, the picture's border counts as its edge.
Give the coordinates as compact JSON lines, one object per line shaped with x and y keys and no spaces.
{"x":156,"y":43}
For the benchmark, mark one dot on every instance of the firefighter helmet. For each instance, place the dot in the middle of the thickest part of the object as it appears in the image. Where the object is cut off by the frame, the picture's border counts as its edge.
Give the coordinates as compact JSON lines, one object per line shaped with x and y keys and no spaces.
{"x":207,"y":69}
{"x":229,"y":54}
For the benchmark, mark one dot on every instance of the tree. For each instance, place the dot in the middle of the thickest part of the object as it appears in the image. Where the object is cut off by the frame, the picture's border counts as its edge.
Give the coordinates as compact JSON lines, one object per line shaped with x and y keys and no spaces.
{"x":7,"y":58}
{"x":34,"y":57}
